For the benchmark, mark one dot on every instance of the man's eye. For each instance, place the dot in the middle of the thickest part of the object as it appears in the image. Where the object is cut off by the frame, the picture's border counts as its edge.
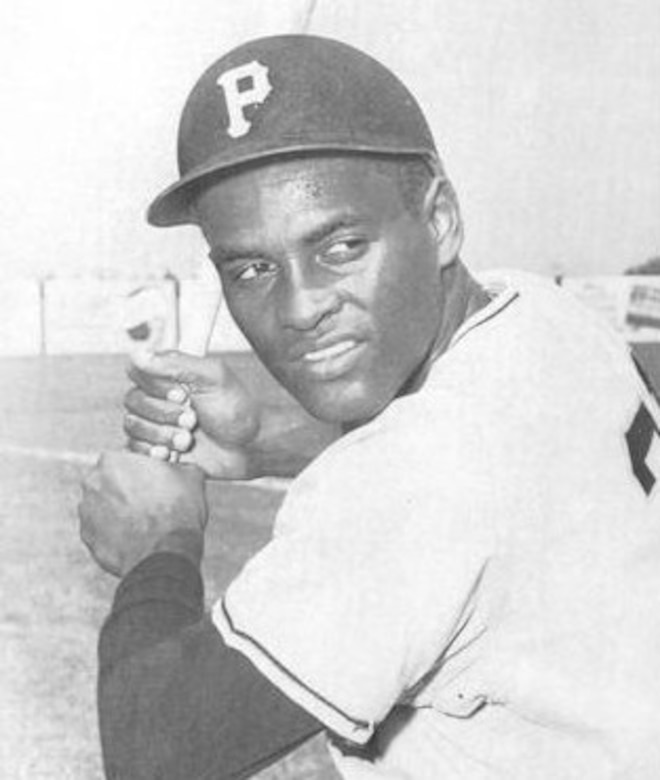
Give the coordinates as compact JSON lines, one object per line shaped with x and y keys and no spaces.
{"x":345,"y":250}
{"x":255,"y":270}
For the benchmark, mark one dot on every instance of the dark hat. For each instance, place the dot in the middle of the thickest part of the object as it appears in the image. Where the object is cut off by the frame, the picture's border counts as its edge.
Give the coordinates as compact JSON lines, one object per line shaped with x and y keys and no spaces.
{"x":287,"y":95}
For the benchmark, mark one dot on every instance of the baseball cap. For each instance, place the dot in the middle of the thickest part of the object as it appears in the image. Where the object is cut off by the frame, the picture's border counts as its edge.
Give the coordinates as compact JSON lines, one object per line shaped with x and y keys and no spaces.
{"x":288,"y":95}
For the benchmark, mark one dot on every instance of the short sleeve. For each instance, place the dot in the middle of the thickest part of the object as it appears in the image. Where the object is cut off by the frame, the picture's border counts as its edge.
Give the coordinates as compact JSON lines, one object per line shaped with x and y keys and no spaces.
{"x":376,"y":553}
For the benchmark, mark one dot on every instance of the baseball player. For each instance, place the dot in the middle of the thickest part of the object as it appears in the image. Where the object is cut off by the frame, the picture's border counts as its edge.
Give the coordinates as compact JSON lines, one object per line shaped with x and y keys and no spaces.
{"x":466,"y":584}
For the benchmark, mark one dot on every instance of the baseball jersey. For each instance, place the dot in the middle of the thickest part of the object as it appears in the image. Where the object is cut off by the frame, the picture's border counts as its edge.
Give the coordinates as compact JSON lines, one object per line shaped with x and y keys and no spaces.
{"x":469,"y":585}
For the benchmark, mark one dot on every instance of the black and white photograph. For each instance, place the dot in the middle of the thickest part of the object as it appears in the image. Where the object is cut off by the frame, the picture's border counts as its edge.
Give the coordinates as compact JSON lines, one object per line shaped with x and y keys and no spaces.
{"x":330,"y":390}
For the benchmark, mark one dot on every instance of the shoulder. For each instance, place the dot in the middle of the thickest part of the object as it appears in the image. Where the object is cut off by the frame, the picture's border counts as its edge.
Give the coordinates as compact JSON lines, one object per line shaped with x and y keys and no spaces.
{"x":543,"y":344}
{"x":545,"y":310}
{"x":419,"y":459}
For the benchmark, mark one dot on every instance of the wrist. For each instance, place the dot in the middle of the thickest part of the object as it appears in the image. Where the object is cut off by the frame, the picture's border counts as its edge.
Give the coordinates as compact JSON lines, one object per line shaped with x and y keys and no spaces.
{"x":186,"y":542}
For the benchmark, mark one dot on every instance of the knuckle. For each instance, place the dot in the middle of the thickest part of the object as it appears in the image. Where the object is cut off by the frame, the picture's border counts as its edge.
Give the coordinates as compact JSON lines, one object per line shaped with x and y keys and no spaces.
{"x":187,"y":419}
{"x":180,"y":438}
{"x":159,"y":452}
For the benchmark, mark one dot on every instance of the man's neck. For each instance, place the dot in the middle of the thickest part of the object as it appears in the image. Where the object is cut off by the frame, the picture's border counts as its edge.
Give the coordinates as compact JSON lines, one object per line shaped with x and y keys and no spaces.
{"x":463,"y":297}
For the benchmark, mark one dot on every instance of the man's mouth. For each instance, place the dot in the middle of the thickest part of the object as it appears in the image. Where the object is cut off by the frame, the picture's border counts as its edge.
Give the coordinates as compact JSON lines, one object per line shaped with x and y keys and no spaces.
{"x":332,"y":361}
{"x":327,"y":353}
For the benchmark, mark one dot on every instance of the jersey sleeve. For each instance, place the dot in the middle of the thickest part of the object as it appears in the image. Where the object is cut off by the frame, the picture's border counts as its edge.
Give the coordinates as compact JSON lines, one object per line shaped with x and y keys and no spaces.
{"x":174,"y":702}
{"x":374,"y":563}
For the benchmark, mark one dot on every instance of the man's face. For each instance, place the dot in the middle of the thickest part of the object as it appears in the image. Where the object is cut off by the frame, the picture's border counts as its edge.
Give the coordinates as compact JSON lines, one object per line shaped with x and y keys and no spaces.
{"x":333,"y":282}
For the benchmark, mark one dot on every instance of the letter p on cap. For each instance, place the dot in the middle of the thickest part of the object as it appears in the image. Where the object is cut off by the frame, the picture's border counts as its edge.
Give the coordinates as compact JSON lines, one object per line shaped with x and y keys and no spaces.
{"x":238,"y":99}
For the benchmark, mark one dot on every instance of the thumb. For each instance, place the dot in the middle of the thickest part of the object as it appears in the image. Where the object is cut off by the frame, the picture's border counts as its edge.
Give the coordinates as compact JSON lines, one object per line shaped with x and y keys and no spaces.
{"x":200,"y":374}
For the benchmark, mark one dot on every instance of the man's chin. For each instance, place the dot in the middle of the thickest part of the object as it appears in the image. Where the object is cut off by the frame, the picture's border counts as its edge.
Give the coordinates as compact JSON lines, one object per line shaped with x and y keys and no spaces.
{"x":346,"y":406}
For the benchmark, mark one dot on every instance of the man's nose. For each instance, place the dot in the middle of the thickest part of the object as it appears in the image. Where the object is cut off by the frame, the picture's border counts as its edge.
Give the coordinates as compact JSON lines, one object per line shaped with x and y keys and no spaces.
{"x":307,"y":298}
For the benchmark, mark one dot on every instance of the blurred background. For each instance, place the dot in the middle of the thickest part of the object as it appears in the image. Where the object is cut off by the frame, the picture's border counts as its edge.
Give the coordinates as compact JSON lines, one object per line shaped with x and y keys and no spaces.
{"x":548,"y":118}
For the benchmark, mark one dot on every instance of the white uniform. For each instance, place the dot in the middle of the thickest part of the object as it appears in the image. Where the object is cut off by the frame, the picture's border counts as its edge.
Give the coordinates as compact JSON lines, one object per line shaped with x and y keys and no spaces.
{"x":477,"y":571}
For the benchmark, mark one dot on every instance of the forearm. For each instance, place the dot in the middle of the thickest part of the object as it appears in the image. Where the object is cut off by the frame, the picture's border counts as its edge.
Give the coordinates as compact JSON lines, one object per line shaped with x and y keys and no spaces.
{"x":154,"y":605}
{"x":174,"y":701}
{"x":161,"y":596}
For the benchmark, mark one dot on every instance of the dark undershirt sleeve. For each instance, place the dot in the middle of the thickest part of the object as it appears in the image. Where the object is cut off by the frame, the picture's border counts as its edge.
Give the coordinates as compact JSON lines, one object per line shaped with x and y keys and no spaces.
{"x":174,"y":701}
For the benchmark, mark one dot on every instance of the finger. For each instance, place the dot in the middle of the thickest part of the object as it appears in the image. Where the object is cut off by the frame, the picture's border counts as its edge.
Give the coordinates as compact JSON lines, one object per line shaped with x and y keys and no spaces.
{"x":163,"y":454}
{"x":159,"y":410}
{"x":169,"y":436}
{"x":153,"y":451}
{"x":158,"y":452}
{"x":156,"y":386}
{"x":187,"y":419}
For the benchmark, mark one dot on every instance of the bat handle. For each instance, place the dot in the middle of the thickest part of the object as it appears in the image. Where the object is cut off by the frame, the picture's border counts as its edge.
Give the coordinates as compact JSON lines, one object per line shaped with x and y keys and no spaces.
{"x":197,"y":334}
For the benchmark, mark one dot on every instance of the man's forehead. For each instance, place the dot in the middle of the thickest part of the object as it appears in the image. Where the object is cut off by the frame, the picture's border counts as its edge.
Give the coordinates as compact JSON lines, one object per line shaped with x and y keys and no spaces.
{"x":300,"y":182}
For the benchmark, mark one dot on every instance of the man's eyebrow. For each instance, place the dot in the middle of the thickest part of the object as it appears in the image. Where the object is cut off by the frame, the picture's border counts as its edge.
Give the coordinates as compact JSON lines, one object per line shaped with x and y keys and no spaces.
{"x":225,"y":254}
{"x":332,"y":226}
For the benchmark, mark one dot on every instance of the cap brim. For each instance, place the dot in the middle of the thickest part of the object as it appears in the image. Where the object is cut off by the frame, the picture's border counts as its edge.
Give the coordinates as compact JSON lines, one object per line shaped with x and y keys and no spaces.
{"x":174,"y":205}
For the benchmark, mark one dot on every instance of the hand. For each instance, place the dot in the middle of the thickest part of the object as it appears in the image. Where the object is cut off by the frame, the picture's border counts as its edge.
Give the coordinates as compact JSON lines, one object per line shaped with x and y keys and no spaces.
{"x":196,"y":407}
{"x":134,"y":506}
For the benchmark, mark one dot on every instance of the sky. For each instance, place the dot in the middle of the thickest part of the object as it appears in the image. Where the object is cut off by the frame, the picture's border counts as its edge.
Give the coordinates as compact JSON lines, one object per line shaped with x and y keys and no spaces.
{"x":547,"y":115}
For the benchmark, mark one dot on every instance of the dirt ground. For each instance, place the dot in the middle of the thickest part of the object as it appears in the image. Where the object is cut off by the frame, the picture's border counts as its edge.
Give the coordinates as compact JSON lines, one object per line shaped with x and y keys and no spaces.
{"x":56,"y":413}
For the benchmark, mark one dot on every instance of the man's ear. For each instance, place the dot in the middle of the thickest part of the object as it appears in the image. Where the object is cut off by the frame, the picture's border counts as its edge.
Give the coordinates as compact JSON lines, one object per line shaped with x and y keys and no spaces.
{"x":444,"y":218}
